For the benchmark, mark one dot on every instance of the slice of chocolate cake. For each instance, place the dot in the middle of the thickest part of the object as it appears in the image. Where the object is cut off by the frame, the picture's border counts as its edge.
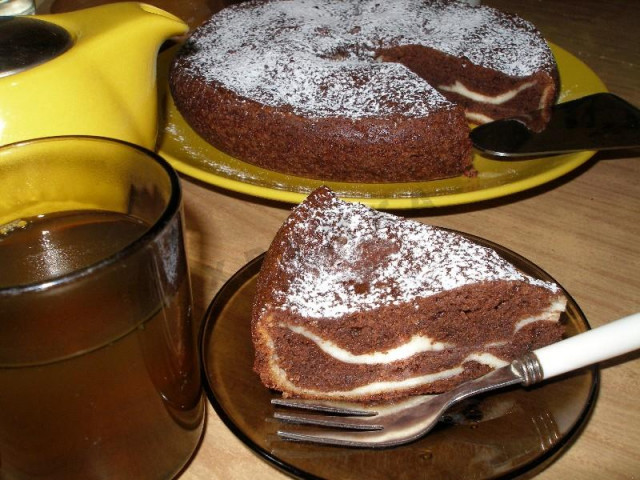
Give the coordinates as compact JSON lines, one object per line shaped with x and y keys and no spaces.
{"x":361,"y":305}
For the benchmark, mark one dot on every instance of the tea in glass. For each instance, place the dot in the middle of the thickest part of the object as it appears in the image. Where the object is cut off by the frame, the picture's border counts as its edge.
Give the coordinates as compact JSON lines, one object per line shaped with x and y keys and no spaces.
{"x":98,"y":369}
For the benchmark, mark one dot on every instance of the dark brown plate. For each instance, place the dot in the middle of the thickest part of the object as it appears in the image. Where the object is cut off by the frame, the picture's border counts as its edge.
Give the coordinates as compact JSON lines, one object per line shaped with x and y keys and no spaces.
{"x":512,"y":433}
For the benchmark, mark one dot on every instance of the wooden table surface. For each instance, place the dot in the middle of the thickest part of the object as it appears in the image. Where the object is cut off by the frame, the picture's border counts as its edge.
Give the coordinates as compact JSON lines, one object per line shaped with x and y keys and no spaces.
{"x":584,"y":229}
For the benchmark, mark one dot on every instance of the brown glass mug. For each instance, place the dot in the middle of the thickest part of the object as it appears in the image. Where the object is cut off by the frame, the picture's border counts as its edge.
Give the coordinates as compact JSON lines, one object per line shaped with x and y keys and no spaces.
{"x":99,"y":375}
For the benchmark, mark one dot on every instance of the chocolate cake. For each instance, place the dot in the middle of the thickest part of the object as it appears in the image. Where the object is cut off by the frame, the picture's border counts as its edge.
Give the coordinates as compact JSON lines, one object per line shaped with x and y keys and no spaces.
{"x":362,"y":91}
{"x":361,"y":305}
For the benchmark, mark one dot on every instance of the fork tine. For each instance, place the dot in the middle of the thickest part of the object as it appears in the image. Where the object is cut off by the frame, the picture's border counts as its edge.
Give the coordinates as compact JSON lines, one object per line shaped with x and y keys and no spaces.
{"x":344,"y":438}
{"x":326,"y":407}
{"x":385,"y":426}
{"x":354,"y":423}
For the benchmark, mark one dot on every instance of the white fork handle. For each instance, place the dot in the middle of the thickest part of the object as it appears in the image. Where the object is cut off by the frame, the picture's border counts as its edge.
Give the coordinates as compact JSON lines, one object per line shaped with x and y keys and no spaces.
{"x":602,"y":343}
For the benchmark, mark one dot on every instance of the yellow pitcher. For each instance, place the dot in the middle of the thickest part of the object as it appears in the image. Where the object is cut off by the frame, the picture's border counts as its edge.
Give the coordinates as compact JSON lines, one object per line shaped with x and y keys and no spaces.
{"x":88,"y":72}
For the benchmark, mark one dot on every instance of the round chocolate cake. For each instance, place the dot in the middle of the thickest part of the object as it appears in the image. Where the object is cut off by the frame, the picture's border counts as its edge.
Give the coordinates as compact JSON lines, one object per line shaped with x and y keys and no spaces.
{"x":362,"y":91}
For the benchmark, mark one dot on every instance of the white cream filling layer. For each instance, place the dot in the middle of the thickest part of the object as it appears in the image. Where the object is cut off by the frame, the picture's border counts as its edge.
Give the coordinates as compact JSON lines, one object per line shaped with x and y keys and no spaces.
{"x":552,"y":314}
{"x":481,"y":118}
{"x":478,"y":118}
{"x":379,"y":387}
{"x":461,"y":89}
{"x":417,"y":344}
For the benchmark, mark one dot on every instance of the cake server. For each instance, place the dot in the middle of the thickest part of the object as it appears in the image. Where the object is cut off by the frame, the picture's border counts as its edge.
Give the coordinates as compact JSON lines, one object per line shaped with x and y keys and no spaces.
{"x":602,"y":121}
{"x":401,"y":422}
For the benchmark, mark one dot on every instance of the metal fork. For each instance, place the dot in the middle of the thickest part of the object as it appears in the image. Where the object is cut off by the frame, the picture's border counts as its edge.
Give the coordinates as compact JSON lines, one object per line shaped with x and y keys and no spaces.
{"x":393,"y":424}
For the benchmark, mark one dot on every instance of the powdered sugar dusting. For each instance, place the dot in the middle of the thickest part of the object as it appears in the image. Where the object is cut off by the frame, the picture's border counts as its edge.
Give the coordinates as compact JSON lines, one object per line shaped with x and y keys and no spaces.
{"x":359,"y":258}
{"x":318,"y":57}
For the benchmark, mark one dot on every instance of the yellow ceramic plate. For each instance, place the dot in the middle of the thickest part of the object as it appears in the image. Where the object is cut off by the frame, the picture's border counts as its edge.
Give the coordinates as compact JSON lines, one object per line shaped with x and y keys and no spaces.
{"x":192,"y":156}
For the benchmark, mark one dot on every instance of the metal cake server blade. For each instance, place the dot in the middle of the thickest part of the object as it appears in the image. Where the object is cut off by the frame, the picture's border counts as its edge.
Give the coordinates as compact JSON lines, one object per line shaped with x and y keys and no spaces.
{"x":602,"y":121}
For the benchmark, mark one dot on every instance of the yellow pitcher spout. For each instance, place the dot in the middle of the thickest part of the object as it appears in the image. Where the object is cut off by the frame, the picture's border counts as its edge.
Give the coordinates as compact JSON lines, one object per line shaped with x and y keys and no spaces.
{"x":104,"y":84}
